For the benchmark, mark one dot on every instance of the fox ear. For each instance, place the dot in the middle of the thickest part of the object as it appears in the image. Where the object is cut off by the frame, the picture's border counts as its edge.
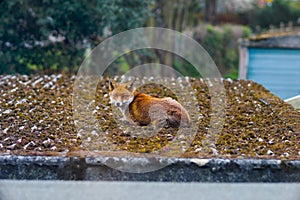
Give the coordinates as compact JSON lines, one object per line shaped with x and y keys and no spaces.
{"x":111,"y":85}
{"x":129,"y":86}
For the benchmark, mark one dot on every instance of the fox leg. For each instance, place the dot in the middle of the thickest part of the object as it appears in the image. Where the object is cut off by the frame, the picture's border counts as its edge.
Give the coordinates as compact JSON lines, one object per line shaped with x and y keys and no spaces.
{"x":159,"y":123}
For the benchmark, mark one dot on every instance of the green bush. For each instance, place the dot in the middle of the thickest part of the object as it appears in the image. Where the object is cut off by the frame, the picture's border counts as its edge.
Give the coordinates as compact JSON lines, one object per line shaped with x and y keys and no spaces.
{"x":273,"y":14}
{"x":51,"y":36}
{"x":221,"y":44}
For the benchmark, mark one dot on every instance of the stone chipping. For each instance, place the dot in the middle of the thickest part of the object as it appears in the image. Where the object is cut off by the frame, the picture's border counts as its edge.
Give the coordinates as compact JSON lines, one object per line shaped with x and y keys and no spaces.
{"x":37,"y":119}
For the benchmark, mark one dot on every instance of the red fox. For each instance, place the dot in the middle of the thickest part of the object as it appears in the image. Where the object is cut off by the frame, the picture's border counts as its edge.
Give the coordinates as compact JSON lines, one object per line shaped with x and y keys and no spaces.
{"x":142,"y":109}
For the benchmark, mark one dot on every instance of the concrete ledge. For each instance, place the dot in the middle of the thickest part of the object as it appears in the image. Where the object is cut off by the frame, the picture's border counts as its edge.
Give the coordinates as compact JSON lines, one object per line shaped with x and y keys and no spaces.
{"x":79,"y":190}
{"x":178,"y":170}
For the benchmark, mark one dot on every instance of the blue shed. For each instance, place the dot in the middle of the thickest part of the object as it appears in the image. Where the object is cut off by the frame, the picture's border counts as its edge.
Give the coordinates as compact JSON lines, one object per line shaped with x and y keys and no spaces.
{"x":273,"y":62}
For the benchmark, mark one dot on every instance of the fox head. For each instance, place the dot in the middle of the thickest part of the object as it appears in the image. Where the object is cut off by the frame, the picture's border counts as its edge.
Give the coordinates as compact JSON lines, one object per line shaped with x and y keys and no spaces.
{"x":120,"y":94}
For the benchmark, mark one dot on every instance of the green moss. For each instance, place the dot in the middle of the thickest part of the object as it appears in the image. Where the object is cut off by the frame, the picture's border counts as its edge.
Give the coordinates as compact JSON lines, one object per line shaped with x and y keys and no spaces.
{"x":256,"y":123}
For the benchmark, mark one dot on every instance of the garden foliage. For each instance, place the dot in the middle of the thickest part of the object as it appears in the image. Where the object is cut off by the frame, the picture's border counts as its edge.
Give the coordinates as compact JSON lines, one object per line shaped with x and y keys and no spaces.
{"x":52,"y":35}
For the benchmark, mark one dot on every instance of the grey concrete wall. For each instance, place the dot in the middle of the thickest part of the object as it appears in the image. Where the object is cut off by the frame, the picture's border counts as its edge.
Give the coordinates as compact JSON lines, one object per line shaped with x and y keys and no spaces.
{"x":177,"y":170}
{"x":82,"y":190}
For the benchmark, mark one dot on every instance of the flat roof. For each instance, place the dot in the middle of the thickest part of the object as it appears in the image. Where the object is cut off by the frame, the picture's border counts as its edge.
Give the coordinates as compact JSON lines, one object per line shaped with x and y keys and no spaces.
{"x":290,"y":39}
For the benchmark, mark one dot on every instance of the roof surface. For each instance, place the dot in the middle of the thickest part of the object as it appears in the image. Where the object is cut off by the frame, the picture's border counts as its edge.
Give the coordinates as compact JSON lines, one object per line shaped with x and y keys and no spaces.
{"x":37,"y":119}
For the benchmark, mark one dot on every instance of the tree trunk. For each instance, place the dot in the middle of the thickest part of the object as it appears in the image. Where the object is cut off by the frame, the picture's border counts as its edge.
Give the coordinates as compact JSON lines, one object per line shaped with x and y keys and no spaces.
{"x":210,"y":10}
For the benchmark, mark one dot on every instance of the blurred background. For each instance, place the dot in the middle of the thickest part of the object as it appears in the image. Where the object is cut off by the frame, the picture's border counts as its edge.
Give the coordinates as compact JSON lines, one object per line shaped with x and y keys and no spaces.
{"x":54,"y":36}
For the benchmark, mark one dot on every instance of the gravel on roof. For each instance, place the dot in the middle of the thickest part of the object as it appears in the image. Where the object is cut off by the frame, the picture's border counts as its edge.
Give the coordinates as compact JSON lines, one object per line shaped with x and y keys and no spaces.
{"x":37,"y":119}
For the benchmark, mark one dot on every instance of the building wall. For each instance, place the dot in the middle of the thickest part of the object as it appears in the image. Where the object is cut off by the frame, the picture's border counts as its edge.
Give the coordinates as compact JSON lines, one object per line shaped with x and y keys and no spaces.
{"x":276,"y":69}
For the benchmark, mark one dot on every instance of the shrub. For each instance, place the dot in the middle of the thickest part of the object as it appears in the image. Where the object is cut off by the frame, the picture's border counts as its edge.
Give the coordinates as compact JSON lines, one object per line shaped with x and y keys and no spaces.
{"x":272,"y":14}
{"x":221,"y":43}
{"x":52,"y":35}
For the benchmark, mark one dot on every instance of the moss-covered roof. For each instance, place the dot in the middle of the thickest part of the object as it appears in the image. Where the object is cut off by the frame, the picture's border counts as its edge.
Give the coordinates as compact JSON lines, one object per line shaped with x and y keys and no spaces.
{"x":37,"y":119}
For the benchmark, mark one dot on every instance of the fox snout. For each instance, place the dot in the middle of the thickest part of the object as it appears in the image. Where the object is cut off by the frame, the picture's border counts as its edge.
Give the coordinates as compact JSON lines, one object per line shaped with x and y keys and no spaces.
{"x":118,"y":104}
